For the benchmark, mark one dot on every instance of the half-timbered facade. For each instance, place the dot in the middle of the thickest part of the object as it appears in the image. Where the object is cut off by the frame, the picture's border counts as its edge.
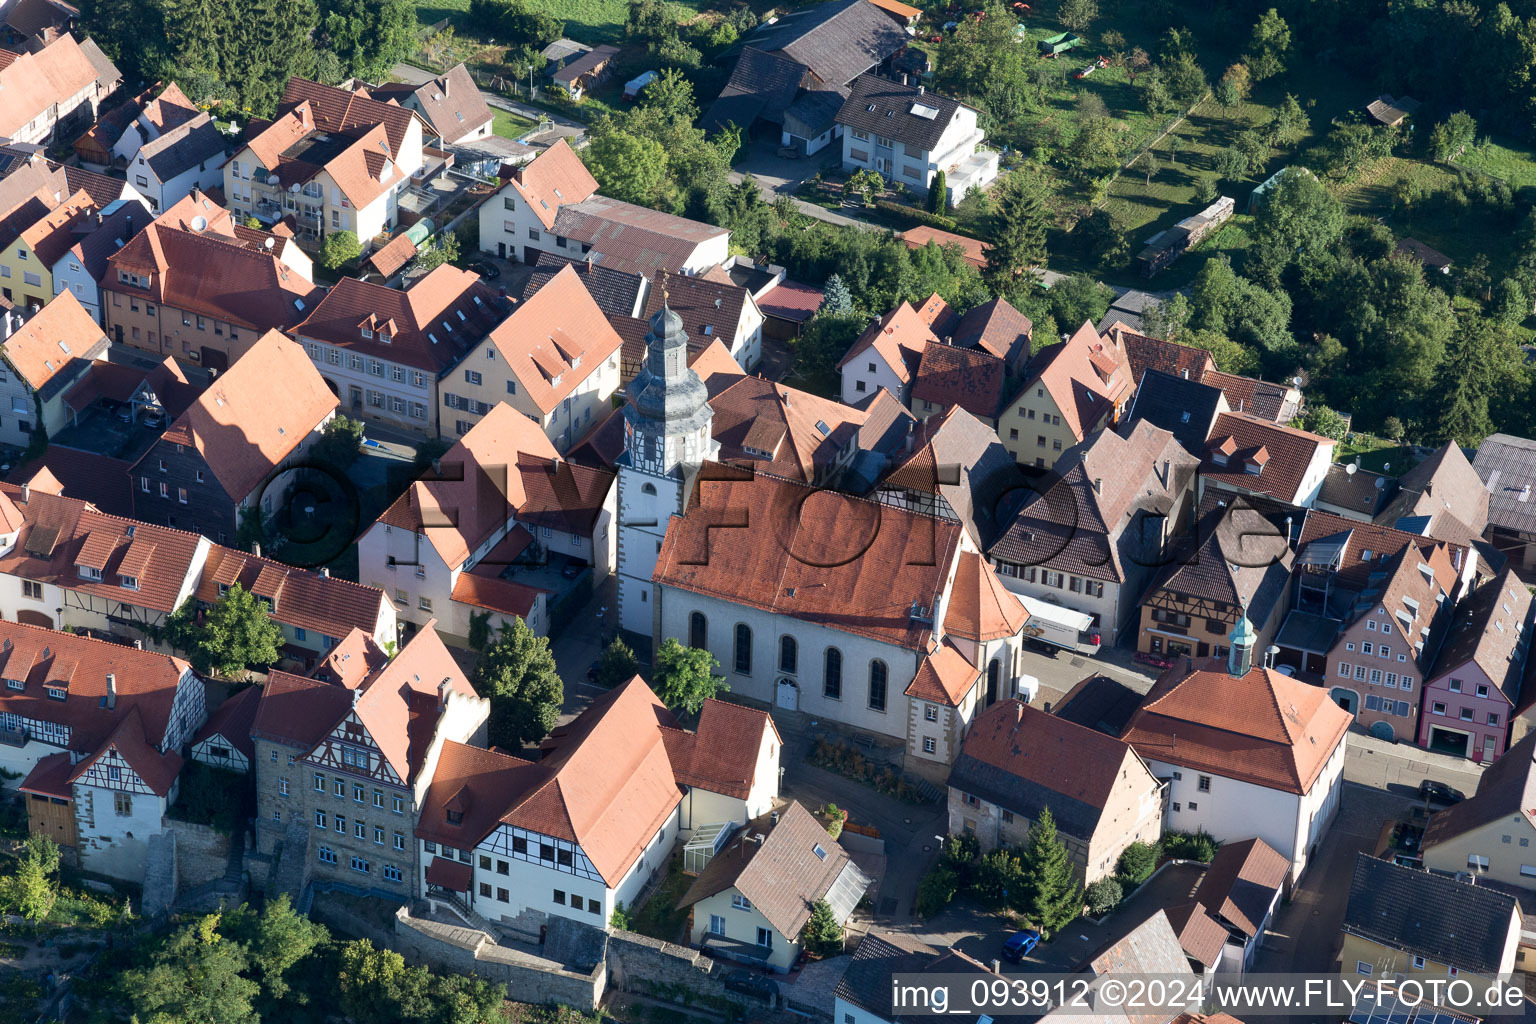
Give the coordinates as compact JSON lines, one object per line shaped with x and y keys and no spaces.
{"x":587,"y":826}
{"x":342,"y":760}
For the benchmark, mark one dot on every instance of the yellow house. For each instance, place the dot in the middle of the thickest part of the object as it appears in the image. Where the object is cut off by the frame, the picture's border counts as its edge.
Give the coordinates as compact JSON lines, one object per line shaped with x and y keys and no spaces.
{"x":1070,"y":390}
{"x":1493,"y":834}
{"x":1403,"y":923}
{"x":26,"y":262}
{"x":555,"y":360}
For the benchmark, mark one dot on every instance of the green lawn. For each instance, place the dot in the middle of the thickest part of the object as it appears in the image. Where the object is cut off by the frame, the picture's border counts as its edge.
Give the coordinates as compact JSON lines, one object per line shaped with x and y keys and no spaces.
{"x":586,"y":21}
{"x":1515,"y":164}
{"x":508,"y":125}
{"x":660,"y":917}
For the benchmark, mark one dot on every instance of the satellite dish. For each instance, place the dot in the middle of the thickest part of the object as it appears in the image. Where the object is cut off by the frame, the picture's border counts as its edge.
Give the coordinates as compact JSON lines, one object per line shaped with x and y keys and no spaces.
{"x":1296,"y":381}
{"x":1350,"y":469}
{"x":1381,"y":482}
{"x":269,"y":241}
{"x":199,"y":223}
{"x":294,"y":188}
{"x":1386,"y":467}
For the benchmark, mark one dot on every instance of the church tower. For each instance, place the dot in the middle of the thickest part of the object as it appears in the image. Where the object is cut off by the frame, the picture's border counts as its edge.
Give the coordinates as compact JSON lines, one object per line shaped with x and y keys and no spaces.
{"x":666,"y":438}
{"x":1242,"y":640}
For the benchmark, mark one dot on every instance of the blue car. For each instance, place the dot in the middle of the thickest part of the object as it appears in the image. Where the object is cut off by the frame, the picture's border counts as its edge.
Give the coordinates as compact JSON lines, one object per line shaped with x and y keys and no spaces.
{"x":1020,"y":944}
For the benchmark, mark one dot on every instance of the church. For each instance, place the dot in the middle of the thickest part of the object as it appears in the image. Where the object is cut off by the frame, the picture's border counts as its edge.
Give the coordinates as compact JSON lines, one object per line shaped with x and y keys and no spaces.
{"x":883,"y":619}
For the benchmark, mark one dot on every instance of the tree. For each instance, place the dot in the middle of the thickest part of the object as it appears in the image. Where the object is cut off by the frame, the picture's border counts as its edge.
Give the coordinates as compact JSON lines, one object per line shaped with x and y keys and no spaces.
{"x":866,"y":184}
{"x":1018,"y":239}
{"x":430,"y":450}
{"x":674,"y":51}
{"x":339,"y":249}
{"x":1155,"y":94}
{"x":1269,"y":45}
{"x":616,"y":665}
{"x":1234,"y":86}
{"x":369,"y":37}
{"x":444,"y":248}
{"x":369,"y":982}
{"x":649,"y":19}
{"x":1077,"y":15}
{"x":1186,"y":79}
{"x":1320,"y":419}
{"x":194,"y":974}
{"x":1053,"y":896}
{"x":1137,"y":862}
{"x":936,"y":890}
{"x":1166,"y":319}
{"x":517,"y":21}
{"x":619,"y":919}
{"x":1298,"y":219}
{"x":1000,"y":880}
{"x":684,"y":676}
{"x":1206,"y":190}
{"x":340,"y":442}
{"x":1147,"y":163}
{"x":1484,"y":360}
{"x":822,"y":342}
{"x":1288,"y":123}
{"x":1453,"y":136}
{"x":275,"y":940}
{"x":627,"y":168}
{"x":1511,"y":301}
{"x":237,"y":632}
{"x":938,"y":193}
{"x":518,"y":675}
{"x":835,"y":296}
{"x":1079,"y":298}
{"x":981,"y":60}
{"x":823,"y":935}
{"x":31,"y":890}
{"x":1103,"y":896}
{"x":670,"y":95}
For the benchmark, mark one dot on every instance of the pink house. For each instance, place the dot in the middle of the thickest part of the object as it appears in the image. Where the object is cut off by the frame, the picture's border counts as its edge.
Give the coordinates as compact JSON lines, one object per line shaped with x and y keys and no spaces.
{"x":1472,"y":690}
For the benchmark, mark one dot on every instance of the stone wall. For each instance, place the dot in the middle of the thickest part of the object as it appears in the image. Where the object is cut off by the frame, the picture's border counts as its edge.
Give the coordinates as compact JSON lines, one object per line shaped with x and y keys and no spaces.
{"x":466,"y":951}
{"x":160,"y":875}
{"x":639,"y":963}
{"x":202,"y":853}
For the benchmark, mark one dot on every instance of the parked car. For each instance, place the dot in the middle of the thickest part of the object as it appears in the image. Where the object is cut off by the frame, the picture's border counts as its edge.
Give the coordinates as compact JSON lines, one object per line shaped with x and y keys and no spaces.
{"x":750,"y":984}
{"x":154,"y":418}
{"x":1020,"y":944}
{"x":1440,"y":793}
{"x":487,"y":271}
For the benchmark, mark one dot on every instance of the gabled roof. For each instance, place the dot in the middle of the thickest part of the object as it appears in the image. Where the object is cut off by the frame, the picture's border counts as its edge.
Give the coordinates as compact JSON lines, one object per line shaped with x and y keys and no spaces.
{"x":1200,"y":934}
{"x":709,"y":308}
{"x":907,"y":113}
{"x":1100,"y":486}
{"x":392,"y":256}
{"x":99,"y":479}
{"x":232,"y":720}
{"x":1506,"y":789}
{"x":551,"y":180}
{"x":1433,"y":916}
{"x":945,"y":676}
{"x":408,"y":326}
{"x":1444,"y":485}
{"x":242,"y":427}
{"x":995,"y":327}
{"x":555,"y":339}
{"x":1085,"y":376}
{"x":593,"y":60}
{"x":57,"y":529}
{"x":1507,"y":466}
{"x":1264,"y":728}
{"x":95,"y":241}
{"x":792,"y":867}
{"x":338,"y":110}
{"x":1150,"y":948}
{"x":762,"y":85}
{"x":842,"y":562}
{"x":1242,"y":882}
{"x":971,"y":378}
{"x":401,"y":703}
{"x":616,"y":292}
{"x":960,"y":458}
{"x":720,"y":756}
{"x":1239,"y":440}
{"x":1183,"y":361}
{"x":1026,"y":760}
{"x":1185,"y":408}
{"x":36,"y":80}
{"x":1236,"y":557}
{"x":1489,"y":629}
{"x":158,"y":771}
{"x":51,"y":234}
{"x":328,"y":605}
{"x":898,"y":338}
{"x":777,"y":429}
{"x":974,"y":250}
{"x":56,"y":346}
{"x":1278,"y":403}
{"x":1348,"y":486}
{"x":146,"y":683}
{"x":451,"y":103}
{"x":179,"y":150}
{"x":837,"y":40}
{"x":633,"y":238}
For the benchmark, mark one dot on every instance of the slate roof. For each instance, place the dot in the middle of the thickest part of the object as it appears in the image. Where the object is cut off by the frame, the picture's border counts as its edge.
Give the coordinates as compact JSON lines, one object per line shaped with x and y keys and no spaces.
{"x":633,"y":238}
{"x":1513,"y":459}
{"x":1434,"y":916}
{"x":1235,"y":556}
{"x":784,"y":874}
{"x":1184,"y":407}
{"x":179,"y":150}
{"x":846,"y":563}
{"x":837,"y":40}
{"x":866,"y":983}
{"x":1264,"y":728}
{"x":1507,"y":788}
{"x":1489,"y":629}
{"x":1150,"y":948}
{"x":1100,"y":485}
{"x":1242,"y":882}
{"x":762,"y":85}
{"x":616,"y":292}
{"x":1099,"y":702}
{"x":960,"y":458}
{"x":1025,"y":760}
{"x":1359,"y":490}
{"x":907,"y":113}
{"x":1447,"y":488}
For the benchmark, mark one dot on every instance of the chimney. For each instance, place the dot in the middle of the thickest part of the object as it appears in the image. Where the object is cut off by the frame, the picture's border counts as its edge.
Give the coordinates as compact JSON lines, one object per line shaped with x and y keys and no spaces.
{"x":111,"y":691}
{"x":442,"y":694}
{"x":996,"y":966}
{"x":1166,"y":466}
{"x":256,"y":548}
{"x":1098,"y":485}
{"x":326,"y":573}
{"x":1429,"y":489}
{"x":774,"y":817}
{"x":26,"y":493}
{"x":445,"y":85}
{"x":1525,"y":493}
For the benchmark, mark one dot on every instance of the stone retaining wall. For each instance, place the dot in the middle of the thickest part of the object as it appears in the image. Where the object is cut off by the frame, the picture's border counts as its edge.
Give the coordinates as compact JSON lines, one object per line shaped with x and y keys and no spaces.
{"x":466,"y":951}
{"x":202,"y":853}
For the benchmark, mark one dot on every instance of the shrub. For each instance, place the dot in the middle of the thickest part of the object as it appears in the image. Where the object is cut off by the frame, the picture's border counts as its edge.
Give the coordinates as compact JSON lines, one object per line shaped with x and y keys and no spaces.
{"x":1137,"y":862}
{"x":1103,"y":896}
{"x":836,"y":819}
{"x":823,"y":935}
{"x":619,"y":919}
{"x":339,"y":249}
{"x":1200,"y":846}
{"x":935,"y":891}
{"x":916,"y":216}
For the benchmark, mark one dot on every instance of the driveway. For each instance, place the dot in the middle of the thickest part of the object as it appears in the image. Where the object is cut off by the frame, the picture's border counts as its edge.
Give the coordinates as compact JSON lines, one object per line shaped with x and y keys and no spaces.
{"x":777,"y":176}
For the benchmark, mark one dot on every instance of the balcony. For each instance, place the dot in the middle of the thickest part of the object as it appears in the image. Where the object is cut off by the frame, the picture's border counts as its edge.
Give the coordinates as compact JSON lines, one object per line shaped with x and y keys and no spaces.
{"x":14,"y":737}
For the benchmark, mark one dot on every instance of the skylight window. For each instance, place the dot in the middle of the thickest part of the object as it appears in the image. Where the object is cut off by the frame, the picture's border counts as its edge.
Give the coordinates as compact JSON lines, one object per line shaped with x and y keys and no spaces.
{"x":64,"y":347}
{"x":924,"y":110}
{"x":821,"y":854}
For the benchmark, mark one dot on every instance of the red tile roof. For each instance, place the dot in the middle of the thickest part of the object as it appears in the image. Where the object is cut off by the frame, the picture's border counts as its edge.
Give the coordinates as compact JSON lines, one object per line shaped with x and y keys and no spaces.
{"x":552,"y":331}
{"x":1283,"y":453}
{"x":971,"y":378}
{"x":242,"y":426}
{"x":945,"y":676}
{"x":34,"y":82}
{"x":779,"y":430}
{"x":328,"y":605}
{"x":1264,"y":728}
{"x":484,"y":590}
{"x":845,"y":563}
{"x":337,"y":110}
{"x":158,"y":771}
{"x":399,"y":704}
{"x":55,"y":340}
{"x":58,"y":528}
{"x":1242,"y":882}
{"x":980,"y":607}
{"x":393,"y":256}
{"x":790,"y":300}
{"x":1144,"y":353}
{"x":721,"y":754}
{"x":899,"y":339}
{"x":232,"y":721}
{"x":974,"y":249}
{"x":146,"y":683}
{"x":1087,"y":377}
{"x":552,"y":179}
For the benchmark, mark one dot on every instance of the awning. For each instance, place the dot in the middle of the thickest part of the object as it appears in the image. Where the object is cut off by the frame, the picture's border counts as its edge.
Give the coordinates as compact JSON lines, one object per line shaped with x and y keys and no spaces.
{"x":449,"y":874}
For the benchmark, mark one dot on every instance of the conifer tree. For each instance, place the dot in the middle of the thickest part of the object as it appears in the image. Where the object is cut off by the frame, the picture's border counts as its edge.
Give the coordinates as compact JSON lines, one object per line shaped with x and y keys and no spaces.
{"x":1053,"y":896}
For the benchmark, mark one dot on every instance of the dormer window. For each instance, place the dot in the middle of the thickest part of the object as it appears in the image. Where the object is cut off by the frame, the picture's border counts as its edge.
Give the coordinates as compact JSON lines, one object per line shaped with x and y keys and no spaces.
{"x":56,"y":692}
{"x":1219,"y":458}
{"x":455,"y":817}
{"x":89,"y":573}
{"x":16,"y":684}
{"x":223,"y":589}
{"x":367,"y":333}
{"x":130,"y":582}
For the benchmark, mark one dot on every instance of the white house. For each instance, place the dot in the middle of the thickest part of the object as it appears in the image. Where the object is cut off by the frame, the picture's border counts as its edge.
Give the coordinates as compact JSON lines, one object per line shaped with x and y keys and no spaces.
{"x":224,"y":741}
{"x":80,"y":269}
{"x":585,"y":827}
{"x":886,"y":356}
{"x":907,"y":134}
{"x":450,"y":545}
{"x":190,"y":156}
{"x":1245,"y":751}
{"x":42,"y":359}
